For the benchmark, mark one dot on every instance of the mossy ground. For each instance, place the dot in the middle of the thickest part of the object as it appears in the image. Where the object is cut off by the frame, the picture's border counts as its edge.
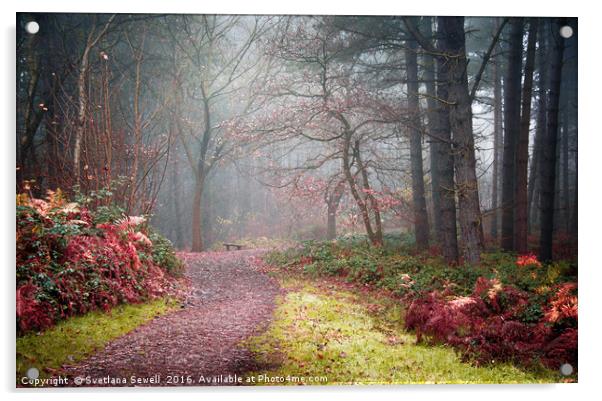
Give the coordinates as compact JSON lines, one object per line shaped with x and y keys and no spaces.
{"x":355,"y":338}
{"x":72,"y":340}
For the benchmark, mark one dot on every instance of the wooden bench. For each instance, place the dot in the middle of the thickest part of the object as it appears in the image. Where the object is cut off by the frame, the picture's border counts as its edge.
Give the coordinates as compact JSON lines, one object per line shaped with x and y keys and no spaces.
{"x":237,"y":246}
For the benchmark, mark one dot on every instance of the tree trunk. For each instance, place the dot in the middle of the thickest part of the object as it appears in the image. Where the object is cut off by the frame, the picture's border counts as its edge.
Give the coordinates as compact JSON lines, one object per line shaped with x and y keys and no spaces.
{"x":361,"y":204}
{"x":91,"y":41}
{"x":512,"y":90}
{"x":444,"y":162}
{"x":197,"y":221}
{"x":574,"y":229}
{"x":521,"y":214}
{"x":81,"y":114}
{"x":548,"y":170}
{"x":433,"y":130}
{"x":371,"y":200}
{"x":175,"y":193}
{"x":542,"y":83}
{"x":460,"y":117}
{"x":421,"y":228}
{"x":132,"y":201}
{"x":566,"y":195}
{"x":333,"y":200}
{"x":498,"y":136}
{"x":331,"y":229}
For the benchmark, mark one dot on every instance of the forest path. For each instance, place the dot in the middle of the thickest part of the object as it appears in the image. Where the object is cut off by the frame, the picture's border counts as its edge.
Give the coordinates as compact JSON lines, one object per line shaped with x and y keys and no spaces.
{"x":230,"y":300}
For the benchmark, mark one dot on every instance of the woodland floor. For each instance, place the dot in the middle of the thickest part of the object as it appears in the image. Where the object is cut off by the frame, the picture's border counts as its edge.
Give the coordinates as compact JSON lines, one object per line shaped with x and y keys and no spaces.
{"x":230,"y":300}
{"x":242,"y":318}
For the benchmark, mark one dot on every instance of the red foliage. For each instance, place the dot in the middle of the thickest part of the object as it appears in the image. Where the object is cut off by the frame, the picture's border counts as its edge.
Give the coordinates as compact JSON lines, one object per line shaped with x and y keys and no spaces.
{"x":528,"y":260}
{"x":487,"y":325}
{"x":30,"y":312}
{"x":563,"y":306}
{"x":61,"y":275}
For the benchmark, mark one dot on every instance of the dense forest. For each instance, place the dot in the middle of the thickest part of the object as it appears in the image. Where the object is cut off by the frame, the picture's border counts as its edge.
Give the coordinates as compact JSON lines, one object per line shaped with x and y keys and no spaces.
{"x":225,"y":127}
{"x":455,"y":137}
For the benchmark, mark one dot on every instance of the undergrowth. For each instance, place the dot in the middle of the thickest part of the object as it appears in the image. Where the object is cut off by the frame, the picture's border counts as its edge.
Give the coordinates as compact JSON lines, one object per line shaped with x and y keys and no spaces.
{"x":72,"y":259}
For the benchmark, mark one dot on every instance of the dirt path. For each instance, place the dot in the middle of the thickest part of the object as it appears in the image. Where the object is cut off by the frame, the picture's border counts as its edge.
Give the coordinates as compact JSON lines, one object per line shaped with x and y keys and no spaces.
{"x":230,"y":301}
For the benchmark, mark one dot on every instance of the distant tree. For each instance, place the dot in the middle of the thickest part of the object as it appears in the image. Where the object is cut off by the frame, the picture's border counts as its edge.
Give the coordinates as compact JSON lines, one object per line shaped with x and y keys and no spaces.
{"x":218,"y":64}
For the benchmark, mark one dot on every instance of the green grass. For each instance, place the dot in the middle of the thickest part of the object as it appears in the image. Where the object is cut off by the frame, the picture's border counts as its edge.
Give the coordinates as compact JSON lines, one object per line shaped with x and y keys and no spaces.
{"x":74,"y":339}
{"x":352,"y":338}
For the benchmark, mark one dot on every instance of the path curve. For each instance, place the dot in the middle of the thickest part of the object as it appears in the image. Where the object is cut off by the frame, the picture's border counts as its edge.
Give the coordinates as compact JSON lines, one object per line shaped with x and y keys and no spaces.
{"x":230,"y":300}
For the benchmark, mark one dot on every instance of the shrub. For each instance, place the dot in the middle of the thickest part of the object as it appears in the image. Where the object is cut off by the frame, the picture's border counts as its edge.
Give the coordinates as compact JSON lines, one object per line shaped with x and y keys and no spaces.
{"x":164,"y":254}
{"x":490,"y":324}
{"x":71,"y":260}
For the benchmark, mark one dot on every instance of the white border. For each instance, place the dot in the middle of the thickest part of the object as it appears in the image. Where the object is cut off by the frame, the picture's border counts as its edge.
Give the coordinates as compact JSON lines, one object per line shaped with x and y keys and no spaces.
{"x":589,"y":186}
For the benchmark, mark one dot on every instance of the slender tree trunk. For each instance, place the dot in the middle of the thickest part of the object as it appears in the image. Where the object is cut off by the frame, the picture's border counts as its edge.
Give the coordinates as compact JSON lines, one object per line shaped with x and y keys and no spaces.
{"x":197,"y":217}
{"x":460,"y":117}
{"x":521,"y":213}
{"x":201,"y":175}
{"x":137,"y":134}
{"x":332,"y":204}
{"x":566,"y":195}
{"x":175,"y":193}
{"x":207,"y":214}
{"x":542,"y":83}
{"x":421,"y":228}
{"x":361,"y":204}
{"x":512,"y":90}
{"x":434,"y":130}
{"x":331,"y":229}
{"x":371,"y":200}
{"x":91,"y":41}
{"x":81,"y":114}
{"x":548,"y":171}
{"x":574,"y":229}
{"x":498,"y":136}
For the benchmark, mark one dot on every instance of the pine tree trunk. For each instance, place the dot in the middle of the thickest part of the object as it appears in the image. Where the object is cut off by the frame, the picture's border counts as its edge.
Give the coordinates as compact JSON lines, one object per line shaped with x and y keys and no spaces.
{"x":521,"y":214}
{"x":548,"y":170}
{"x":566,"y":195}
{"x":574,"y":229}
{"x":460,"y":117}
{"x":421,"y":228}
{"x":534,"y":180}
{"x":512,"y":90}
{"x":444,"y":162}
{"x":498,"y":136}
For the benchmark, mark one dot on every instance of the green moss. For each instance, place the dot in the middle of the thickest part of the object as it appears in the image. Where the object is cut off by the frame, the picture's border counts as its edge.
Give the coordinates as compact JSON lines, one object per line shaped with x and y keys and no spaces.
{"x":353,"y":339}
{"x":74,"y":339}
